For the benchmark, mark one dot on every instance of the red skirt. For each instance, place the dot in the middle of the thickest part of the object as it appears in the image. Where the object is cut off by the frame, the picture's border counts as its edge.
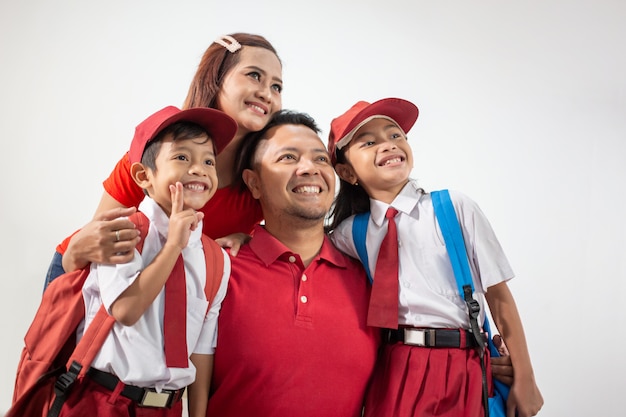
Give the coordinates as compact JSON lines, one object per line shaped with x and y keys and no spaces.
{"x":411,"y":381}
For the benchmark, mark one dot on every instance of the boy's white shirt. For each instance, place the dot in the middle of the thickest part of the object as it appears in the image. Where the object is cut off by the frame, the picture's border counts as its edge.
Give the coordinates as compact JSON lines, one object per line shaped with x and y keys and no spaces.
{"x":428,"y":292}
{"x":135,"y":353}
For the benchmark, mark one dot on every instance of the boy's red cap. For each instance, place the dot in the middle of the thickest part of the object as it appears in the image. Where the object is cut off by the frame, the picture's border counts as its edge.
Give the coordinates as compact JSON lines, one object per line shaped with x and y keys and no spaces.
{"x":219,"y":126}
{"x":342,"y":128}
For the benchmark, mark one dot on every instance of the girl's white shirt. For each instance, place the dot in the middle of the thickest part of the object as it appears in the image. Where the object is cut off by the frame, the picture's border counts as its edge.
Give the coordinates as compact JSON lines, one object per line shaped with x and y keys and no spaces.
{"x":428,"y":295}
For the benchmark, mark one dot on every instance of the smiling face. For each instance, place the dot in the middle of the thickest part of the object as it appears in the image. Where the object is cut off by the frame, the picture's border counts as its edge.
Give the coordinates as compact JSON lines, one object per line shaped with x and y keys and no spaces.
{"x":379,"y":158}
{"x":251,"y":91}
{"x":292,"y":175}
{"x":190,"y":161}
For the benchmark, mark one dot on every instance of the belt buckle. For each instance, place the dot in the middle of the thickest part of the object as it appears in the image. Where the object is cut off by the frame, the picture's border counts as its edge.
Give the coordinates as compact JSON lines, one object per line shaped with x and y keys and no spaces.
{"x":155,"y":399}
{"x":415,"y":337}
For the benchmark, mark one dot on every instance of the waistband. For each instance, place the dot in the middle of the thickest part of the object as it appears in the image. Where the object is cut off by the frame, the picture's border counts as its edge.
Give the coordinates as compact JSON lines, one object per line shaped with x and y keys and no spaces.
{"x":449,"y":338}
{"x":145,"y":397}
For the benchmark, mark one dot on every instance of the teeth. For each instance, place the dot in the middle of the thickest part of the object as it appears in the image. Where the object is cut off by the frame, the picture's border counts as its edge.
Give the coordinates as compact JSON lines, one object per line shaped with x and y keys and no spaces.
{"x":308,"y":189}
{"x":195,"y":187}
{"x":393,"y":161}
{"x":259,"y":109}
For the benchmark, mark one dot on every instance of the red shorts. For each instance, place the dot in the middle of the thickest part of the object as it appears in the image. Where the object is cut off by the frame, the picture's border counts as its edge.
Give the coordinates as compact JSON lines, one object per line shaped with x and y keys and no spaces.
{"x":87,"y":396}
{"x":421,"y":381}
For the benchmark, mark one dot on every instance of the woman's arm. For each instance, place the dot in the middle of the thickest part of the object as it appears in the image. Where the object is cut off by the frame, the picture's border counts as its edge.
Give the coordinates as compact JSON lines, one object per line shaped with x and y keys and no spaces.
{"x":109,"y":238}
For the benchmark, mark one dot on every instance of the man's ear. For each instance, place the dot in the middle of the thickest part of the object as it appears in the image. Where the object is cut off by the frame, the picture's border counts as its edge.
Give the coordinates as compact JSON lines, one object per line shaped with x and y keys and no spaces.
{"x":346,"y":173}
{"x":251,"y":179}
{"x":139,"y":174}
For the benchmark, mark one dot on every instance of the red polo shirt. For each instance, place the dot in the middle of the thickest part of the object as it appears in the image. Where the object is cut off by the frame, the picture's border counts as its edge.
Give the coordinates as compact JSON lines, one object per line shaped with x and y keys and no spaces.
{"x":292,"y":341}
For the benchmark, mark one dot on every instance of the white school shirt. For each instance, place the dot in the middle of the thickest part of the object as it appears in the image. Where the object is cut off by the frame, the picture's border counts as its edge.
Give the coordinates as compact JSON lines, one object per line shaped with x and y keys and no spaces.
{"x":428,"y":293}
{"x":135,"y":353}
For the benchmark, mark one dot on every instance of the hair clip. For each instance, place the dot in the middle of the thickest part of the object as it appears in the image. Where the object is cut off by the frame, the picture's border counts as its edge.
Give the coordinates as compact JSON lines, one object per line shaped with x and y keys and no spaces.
{"x":229,"y":43}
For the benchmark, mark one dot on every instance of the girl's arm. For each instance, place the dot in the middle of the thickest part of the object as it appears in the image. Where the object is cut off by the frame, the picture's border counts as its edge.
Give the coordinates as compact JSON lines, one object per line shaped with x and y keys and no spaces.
{"x":198,"y":391}
{"x":524,"y":397}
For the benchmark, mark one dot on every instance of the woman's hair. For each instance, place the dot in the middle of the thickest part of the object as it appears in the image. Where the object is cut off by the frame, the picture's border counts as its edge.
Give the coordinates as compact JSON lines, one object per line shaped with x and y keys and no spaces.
{"x":351,"y":199}
{"x":249,"y":144}
{"x":214,"y":65}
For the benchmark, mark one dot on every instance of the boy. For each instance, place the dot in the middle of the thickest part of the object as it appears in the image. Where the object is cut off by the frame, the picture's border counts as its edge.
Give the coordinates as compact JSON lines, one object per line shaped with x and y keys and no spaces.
{"x":137,"y":372}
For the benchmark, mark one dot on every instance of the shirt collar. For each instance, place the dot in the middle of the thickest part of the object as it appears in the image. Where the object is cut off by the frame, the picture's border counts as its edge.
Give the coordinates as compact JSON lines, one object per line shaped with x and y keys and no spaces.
{"x":404,"y":202}
{"x":161,"y":221}
{"x":269,"y":249}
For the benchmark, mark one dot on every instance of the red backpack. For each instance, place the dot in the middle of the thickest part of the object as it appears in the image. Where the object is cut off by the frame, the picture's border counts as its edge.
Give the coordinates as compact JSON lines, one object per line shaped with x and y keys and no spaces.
{"x":51,"y":360}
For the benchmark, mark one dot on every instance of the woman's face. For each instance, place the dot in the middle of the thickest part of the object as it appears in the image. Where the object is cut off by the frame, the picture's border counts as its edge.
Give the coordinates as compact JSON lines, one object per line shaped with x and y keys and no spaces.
{"x":251,"y":90}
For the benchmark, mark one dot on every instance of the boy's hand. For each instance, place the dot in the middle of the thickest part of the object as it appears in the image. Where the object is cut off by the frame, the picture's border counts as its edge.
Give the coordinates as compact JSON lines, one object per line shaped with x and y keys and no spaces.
{"x":182,"y":222}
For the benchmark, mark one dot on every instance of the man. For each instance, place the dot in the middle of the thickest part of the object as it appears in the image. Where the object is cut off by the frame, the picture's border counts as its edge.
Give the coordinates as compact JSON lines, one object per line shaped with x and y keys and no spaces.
{"x":293,"y":338}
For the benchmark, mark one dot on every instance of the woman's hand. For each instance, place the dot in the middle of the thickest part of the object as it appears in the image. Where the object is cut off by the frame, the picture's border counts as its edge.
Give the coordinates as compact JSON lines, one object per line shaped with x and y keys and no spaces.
{"x":110,"y":238}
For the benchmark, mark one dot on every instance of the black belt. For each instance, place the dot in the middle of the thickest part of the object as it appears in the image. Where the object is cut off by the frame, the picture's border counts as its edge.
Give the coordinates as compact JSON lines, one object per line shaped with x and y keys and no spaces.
{"x":449,"y":338}
{"x":146,"y":397}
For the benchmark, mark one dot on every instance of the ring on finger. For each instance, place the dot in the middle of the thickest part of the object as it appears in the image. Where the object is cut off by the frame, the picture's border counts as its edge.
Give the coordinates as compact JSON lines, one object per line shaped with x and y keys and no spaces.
{"x":117,"y":235}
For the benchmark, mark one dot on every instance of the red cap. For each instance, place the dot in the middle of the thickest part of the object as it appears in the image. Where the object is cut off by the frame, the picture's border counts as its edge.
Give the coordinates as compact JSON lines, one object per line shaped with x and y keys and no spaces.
{"x":342,"y":128}
{"x":220,"y":127}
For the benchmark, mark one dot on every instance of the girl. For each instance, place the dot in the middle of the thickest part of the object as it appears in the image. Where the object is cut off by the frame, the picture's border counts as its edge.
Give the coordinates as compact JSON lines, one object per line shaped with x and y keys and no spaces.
{"x":240,"y":74}
{"x":418,"y":374}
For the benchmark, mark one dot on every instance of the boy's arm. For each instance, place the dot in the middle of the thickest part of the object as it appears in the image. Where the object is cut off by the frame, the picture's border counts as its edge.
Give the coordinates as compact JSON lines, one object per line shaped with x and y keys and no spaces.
{"x":136,"y":299}
{"x":524,"y":396}
{"x":198,"y":391}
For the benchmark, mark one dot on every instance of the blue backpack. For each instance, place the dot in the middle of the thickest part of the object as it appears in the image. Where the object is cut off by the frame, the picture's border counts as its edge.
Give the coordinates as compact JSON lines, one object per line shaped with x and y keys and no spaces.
{"x":453,"y":238}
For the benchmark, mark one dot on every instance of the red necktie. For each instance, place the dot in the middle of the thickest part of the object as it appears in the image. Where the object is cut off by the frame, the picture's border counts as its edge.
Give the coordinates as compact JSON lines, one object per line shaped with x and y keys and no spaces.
{"x":383,"y":308}
{"x":175,"y":318}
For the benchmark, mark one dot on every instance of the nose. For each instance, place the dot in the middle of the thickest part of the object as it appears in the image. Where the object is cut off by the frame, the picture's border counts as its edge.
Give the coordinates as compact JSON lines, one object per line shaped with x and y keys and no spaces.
{"x":264,"y":92}
{"x":388,"y":145}
{"x":307,"y":166}
{"x":199,"y":168}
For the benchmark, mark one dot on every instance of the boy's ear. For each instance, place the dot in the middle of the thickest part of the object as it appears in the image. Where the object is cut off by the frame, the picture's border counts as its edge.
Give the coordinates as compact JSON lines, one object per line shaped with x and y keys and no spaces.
{"x":346,"y":173}
{"x":139,"y":174}
{"x":251,"y":179}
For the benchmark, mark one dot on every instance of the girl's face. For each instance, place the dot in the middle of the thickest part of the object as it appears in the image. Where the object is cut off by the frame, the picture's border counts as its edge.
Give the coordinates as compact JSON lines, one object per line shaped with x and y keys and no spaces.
{"x":379,"y":158}
{"x":251,"y":90}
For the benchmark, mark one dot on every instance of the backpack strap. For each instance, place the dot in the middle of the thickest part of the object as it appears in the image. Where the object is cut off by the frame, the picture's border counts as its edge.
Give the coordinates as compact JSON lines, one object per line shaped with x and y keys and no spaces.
{"x":98,"y":330}
{"x":453,"y":238}
{"x":359,"y":235}
{"x":93,"y":338}
{"x":214,"y":259}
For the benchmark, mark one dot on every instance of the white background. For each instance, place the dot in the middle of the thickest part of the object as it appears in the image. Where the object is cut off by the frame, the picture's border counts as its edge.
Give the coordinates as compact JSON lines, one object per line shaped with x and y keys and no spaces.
{"x":522,"y":107}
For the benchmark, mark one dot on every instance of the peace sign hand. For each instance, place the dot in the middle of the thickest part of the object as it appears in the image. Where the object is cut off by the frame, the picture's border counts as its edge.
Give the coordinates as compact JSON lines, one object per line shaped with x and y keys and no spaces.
{"x":182,"y":222}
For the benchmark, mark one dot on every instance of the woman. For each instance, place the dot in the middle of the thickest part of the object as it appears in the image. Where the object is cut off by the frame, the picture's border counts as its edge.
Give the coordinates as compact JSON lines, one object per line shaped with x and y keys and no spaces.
{"x":240,"y":74}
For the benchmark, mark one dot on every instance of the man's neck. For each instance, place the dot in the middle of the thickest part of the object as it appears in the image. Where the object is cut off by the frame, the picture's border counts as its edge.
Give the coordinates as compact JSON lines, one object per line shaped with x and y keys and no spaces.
{"x":304,"y":238}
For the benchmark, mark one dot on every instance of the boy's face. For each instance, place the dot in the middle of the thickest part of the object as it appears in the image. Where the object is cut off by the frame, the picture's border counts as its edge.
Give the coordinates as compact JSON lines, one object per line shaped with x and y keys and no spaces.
{"x":190,"y":161}
{"x":379,"y":158}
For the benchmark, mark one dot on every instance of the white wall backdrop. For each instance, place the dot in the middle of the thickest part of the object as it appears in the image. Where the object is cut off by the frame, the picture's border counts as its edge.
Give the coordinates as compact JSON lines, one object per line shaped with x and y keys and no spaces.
{"x":522,"y":107}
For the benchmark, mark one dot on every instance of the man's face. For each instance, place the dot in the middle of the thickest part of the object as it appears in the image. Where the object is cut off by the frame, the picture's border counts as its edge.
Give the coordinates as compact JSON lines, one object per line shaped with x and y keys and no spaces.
{"x":292,"y":175}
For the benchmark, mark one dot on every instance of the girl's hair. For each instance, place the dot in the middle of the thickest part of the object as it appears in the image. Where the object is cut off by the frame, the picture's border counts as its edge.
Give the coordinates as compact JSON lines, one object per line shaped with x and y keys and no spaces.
{"x":249,"y":144}
{"x":351,"y":199}
{"x":214,"y":65}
